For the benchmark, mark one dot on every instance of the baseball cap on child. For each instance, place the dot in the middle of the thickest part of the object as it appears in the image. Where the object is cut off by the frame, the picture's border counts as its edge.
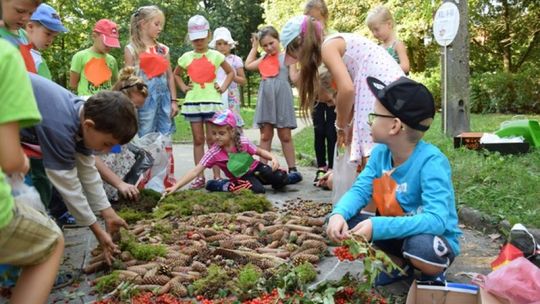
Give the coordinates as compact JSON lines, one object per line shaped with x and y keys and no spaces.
{"x":224,"y":118}
{"x":222,"y":33}
{"x":109,"y":32}
{"x":292,"y":29}
{"x":406,"y":99}
{"x":198,"y":27}
{"x":49,"y":18}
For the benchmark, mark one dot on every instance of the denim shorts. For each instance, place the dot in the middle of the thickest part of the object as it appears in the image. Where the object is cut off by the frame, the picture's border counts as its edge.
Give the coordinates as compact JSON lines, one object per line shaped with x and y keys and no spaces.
{"x":427,"y":248}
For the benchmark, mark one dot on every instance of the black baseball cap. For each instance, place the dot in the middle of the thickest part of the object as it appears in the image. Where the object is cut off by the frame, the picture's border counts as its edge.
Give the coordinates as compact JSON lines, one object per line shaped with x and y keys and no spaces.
{"x":406,"y":99}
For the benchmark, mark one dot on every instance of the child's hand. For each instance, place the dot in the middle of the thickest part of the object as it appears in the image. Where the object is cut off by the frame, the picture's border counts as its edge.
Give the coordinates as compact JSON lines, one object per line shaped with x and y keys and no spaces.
{"x":129,"y":191}
{"x":254,"y":41}
{"x":186,"y":88}
{"x":337,"y":228}
{"x":112,"y":221}
{"x":219,"y":88}
{"x":275,"y":163}
{"x":174,"y":109}
{"x":364,"y":228}
{"x":170,"y":190}
{"x":108,"y":246}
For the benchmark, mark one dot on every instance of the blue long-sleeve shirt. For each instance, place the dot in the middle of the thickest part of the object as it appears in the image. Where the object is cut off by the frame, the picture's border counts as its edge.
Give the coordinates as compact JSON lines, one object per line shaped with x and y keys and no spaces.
{"x":424,"y":192}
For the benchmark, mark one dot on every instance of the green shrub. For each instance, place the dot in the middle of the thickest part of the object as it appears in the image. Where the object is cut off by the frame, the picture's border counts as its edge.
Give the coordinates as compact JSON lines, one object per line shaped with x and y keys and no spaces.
{"x":503,"y":92}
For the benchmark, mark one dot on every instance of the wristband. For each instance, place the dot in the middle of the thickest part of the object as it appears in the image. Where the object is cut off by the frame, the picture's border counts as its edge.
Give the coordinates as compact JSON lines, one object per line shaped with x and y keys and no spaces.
{"x":338,"y":128}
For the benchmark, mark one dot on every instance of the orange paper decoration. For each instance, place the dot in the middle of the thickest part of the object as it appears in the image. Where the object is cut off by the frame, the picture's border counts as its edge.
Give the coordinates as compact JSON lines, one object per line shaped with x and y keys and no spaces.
{"x":384,"y":196}
{"x":97,"y":71}
{"x":153,"y":64}
{"x":269,"y":66}
{"x":27,"y":57}
{"x":201,"y":71}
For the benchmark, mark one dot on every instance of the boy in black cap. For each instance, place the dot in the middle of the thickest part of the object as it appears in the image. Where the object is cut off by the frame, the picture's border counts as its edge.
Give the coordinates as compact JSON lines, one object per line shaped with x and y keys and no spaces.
{"x":410,"y":182}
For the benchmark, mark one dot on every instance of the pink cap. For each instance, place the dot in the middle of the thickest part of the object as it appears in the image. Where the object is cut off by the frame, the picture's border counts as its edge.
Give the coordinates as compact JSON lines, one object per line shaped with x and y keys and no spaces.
{"x":109,"y":32}
{"x":224,"y":118}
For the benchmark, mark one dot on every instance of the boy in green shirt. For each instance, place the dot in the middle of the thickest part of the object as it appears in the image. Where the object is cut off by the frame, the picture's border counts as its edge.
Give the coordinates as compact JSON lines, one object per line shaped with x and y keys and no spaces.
{"x":93,"y":69}
{"x":28,"y":238}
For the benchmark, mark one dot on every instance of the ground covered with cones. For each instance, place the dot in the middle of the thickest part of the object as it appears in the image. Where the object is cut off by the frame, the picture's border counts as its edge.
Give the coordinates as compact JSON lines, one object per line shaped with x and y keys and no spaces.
{"x":227,"y":248}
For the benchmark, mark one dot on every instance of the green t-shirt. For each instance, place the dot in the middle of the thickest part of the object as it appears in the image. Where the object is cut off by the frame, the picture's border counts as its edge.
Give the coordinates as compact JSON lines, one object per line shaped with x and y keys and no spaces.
{"x":14,"y":39}
{"x":17,"y":103}
{"x":205,"y":91}
{"x":95,"y":73}
{"x":41,"y":65}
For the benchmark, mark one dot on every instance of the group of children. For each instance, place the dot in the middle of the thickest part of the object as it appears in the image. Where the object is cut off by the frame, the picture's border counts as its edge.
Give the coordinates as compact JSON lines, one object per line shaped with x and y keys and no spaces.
{"x":363,"y":85}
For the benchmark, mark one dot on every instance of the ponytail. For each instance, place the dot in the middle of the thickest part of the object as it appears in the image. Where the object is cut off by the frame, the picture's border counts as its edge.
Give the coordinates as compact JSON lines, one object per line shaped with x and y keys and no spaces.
{"x":237,"y":134}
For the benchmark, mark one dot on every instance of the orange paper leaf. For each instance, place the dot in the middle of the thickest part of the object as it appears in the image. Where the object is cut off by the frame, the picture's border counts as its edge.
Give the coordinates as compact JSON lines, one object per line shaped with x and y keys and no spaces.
{"x":201,"y":71}
{"x":153,"y":64}
{"x":269,"y":66}
{"x":384,"y":196}
{"x":97,"y":71}
{"x":27,"y":57}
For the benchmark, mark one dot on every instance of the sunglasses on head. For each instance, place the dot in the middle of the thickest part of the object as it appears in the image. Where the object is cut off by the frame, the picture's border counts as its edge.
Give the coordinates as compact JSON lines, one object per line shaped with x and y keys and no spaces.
{"x":140,"y":86}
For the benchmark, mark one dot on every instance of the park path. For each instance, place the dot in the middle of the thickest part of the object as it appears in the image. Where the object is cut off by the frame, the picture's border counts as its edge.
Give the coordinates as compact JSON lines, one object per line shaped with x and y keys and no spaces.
{"x":478,"y":249}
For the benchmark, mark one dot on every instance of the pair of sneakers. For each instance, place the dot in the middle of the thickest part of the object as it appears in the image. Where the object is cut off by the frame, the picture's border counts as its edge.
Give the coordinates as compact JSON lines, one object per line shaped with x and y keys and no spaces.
{"x":408,"y":274}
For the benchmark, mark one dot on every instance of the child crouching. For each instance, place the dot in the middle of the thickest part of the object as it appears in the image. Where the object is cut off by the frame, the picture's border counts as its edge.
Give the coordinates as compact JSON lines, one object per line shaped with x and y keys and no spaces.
{"x":232,"y":153}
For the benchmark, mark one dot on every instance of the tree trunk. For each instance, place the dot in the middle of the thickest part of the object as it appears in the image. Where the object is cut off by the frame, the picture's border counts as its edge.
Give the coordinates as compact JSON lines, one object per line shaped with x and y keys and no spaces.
{"x":456,"y":114}
{"x":507,"y":42}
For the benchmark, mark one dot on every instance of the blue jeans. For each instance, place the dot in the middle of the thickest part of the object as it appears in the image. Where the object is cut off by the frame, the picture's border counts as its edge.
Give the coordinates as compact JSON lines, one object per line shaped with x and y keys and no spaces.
{"x":155,"y":114}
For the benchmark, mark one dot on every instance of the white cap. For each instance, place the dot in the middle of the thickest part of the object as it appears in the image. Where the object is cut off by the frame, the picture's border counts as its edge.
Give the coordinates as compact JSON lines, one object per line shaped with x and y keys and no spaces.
{"x":222,"y":33}
{"x":198,"y":27}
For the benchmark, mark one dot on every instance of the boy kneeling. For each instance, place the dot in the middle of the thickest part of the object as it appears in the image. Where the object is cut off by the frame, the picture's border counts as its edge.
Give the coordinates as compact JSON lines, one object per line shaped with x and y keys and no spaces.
{"x":410,"y":182}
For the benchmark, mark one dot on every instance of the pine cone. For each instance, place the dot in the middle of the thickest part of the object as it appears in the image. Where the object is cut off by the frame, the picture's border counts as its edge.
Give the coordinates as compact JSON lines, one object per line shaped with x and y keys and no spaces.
{"x":164,"y":270}
{"x":277,"y":235}
{"x":311,"y":251}
{"x":178,"y":290}
{"x":126,"y":256}
{"x":227,"y":244}
{"x":217,"y":237}
{"x":251,"y":244}
{"x":199,"y":267}
{"x":307,"y":244}
{"x":301,"y":258}
{"x":207,"y":232}
{"x":182,"y":260}
{"x":262,"y":263}
{"x":138,"y":270}
{"x":152,"y":272}
{"x":156,"y":280}
{"x":191,"y":251}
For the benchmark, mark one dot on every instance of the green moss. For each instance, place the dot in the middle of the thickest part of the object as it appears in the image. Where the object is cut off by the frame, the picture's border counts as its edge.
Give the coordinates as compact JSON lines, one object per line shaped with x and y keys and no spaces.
{"x":144,"y":252}
{"x":185,"y":203}
{"x":107,"y":283}
{"x":148,"y":199}
{"x":305,"y":273}
{"x":217,"y":279}
{"x":248,"y":277}
{"x":131,"y":216}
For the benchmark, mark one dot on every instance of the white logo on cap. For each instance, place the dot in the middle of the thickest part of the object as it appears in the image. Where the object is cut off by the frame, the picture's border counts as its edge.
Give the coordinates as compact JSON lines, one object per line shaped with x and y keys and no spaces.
{"x":378,"y":85}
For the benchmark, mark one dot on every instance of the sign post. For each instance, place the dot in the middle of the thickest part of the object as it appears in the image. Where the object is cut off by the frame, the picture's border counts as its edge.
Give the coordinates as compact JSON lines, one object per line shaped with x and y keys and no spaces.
{"x":452,"y":36}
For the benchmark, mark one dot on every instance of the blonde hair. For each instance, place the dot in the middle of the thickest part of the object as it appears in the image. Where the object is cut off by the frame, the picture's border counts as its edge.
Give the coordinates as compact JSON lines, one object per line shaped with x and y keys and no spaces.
{"x":142,"y":14}
{"x":308,"y":47}
{"x":379,"y":14}
{"x":128,"y":82}
{"x":317,"y":4}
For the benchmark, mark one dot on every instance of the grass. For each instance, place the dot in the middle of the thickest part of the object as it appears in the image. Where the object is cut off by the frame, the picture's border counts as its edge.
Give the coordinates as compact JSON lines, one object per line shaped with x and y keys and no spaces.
{"x":183,"y":128}
{"x":506,"y":187}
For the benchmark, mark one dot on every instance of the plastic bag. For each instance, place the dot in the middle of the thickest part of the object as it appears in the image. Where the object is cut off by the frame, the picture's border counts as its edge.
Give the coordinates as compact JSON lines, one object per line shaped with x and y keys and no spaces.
{"x":24,"y":194}
{"x":161,"y":175}
{"x":344,"y":172}
{"x":143,"y":162}
{"x":518,"y":282}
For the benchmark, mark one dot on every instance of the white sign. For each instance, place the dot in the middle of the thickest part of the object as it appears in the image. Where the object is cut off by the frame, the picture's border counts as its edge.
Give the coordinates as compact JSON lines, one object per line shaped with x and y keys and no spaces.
{"x":446,"y":23}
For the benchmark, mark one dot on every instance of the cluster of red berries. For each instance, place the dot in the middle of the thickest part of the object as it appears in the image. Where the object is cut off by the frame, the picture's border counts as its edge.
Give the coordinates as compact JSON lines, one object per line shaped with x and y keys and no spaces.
{"x":203,"y":300}
{"x":266,"y":298}
{"x":343,"y":253}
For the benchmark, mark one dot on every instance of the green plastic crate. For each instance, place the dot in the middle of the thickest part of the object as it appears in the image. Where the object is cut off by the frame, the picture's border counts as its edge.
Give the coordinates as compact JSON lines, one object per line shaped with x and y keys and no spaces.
{"x":529,"y":129}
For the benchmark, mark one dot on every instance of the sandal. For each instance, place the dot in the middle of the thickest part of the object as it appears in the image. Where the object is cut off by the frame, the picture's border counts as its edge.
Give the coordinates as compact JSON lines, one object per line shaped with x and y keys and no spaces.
{"x":63,"y":279}
{"x":198,"y":183}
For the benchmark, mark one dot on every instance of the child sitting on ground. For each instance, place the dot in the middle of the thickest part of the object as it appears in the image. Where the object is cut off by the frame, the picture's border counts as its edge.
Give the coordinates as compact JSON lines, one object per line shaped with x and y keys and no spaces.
{"x":232,"y":153}
{"x":94,"y":69}
{"x":410,"y":182}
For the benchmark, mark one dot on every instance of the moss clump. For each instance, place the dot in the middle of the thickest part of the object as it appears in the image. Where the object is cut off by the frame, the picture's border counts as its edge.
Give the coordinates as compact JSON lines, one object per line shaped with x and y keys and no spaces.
{"x":131,"y":216}
{"x":305,"y":273}
{"x":140,"y":251}
{"x":148,"y":199}
{"x":246,"y":281}
{"x":189,"y":202}
{"x":215,"y":281}
{"x":107,"y":283}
